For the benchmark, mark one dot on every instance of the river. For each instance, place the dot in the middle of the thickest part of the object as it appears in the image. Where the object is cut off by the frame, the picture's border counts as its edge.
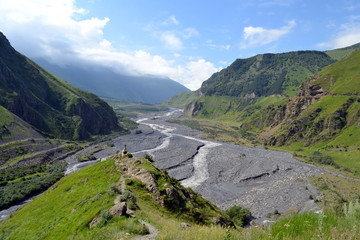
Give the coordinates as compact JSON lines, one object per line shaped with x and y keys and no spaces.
{"x":226,"y":174}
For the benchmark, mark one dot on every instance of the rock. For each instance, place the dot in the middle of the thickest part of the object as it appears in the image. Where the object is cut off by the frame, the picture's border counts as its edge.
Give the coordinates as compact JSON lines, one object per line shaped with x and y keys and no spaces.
{"x":193,"y":107}
{"x":118,"y":209}
{"x":173,"y":199}
{"x":184,"y":226}
{"x":95,"y":221}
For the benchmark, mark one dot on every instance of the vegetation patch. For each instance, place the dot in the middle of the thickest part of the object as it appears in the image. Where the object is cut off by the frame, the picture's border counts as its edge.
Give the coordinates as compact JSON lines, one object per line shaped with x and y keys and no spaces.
{"x":20,"y":183}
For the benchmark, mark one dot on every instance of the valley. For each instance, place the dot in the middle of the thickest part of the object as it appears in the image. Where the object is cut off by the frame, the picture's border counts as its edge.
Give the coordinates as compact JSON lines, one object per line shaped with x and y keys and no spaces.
{"x":264,"y":181}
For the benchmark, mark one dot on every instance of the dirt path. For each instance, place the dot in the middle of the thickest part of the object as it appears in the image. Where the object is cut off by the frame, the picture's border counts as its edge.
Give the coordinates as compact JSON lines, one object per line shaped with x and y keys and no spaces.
{"x":153,"y":232}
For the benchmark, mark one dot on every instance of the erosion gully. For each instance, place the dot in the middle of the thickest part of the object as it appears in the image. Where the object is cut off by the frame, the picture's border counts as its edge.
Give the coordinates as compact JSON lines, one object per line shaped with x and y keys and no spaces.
{"x":265,"y":181}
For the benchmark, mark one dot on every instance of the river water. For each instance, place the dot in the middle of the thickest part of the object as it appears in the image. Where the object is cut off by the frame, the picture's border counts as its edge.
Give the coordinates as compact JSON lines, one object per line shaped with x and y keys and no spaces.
{"x":226,"y":174}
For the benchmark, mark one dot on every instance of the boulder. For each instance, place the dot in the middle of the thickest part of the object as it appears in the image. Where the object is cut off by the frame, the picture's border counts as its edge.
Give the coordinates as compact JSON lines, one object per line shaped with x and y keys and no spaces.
{"x":118,"y":209}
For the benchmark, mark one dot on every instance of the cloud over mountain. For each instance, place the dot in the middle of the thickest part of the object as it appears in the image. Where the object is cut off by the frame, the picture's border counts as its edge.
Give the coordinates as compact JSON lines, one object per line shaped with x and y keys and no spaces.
{"x":60,"y":32}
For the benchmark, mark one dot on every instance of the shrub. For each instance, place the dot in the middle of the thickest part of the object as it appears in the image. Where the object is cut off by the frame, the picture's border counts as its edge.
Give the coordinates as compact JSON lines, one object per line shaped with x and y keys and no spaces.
{"x":239,"y":215}
{"x":127,"y":196}
{"x":149,"y":158}
{"x":115,"y":189}
{"x":321,"y":158}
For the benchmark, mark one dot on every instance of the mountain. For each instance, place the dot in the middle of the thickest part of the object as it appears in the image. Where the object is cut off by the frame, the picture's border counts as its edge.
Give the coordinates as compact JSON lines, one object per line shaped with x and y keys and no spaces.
{"x":266,"y":74}
{"x":106,"y":83}
{"x":52,"y":106}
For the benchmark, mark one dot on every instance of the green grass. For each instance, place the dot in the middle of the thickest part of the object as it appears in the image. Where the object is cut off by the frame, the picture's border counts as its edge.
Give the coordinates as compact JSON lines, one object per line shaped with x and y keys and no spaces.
{"x":327,"y":104}
{"x":342,"y":77}
{"x":339,"y":54}
{"x":66,"y":209}
{"x":182,"y":100}
{"x":5,"y":117}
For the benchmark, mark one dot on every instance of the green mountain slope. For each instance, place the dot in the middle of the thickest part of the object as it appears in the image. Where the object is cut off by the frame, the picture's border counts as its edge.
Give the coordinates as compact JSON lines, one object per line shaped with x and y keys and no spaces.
{"x":14,"y":128}
{"x":51,"y":105}
{"x":266,"y":74}
{"x":325,"y":116}
{"x":341,"y":53}
{"x":327,"y":106}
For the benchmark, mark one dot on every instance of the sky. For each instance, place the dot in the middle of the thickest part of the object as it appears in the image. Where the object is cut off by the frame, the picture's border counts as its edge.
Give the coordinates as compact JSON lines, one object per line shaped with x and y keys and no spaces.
{"x":184,"y":40}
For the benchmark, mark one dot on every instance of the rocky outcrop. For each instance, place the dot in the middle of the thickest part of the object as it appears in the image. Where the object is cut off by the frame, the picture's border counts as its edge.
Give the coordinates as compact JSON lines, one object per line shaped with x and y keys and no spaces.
{"x":193,"y":107}
{"x":118,"y":209}
{"x":291,"y":125}
{"x":168,"y":193}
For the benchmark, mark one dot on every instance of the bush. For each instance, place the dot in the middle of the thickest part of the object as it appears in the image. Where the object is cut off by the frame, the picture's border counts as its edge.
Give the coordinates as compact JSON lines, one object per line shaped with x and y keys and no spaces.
{"x":115,"y":189}
{"x":149,"y":158}
{"x":84,"y":158}
{"x":321,"y":158}
{"x":239,"y":215}
{"x":127,"y":196}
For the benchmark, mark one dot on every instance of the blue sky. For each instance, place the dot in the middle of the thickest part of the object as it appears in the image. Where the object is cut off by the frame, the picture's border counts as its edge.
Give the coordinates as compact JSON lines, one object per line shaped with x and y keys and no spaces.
{"x":184,"y":40}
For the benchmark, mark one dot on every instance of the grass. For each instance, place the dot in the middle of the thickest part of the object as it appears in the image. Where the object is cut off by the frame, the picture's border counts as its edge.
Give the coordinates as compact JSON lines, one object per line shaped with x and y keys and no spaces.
{"x":225,"y":131}
{"x":342,"y":77}
{"x":65,"y":210}
{"x":182,"y":100}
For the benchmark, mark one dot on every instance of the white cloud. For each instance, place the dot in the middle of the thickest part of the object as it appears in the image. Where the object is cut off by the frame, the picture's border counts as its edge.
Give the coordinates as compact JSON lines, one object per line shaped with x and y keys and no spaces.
{"x":171,"y":41}
{"x":171,"y":21}
{"x":348,"y":34}
{"x":196,"y":72}
{"x":58,"y":31}
{"x":257,"y":36}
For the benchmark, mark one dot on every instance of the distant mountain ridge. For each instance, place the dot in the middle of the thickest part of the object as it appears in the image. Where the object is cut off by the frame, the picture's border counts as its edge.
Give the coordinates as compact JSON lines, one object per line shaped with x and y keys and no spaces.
{"x":266,"y":74}
{"x":106,"y":83}
{"x":52,"y":106}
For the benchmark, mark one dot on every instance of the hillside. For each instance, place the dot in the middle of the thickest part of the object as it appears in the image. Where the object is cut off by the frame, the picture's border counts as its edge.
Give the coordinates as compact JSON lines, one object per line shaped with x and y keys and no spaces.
{"x":98,"y":212}
{"x":106,"y":83}
{"x":13,"y":128}
{"x":52,"y":106}
{"x":324,"y":115}
{"x":341,"y":53}
{"x":266,"y":74}
{"x":129,"y":197}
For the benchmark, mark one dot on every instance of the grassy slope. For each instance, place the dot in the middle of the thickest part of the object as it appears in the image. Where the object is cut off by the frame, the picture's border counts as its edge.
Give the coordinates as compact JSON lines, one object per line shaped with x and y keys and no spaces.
{"x":342,"y":81}
{"x":182,"y":100}
{"x":341,"y":53}
{"x":13,"y":128}
{"x":65,"y":210}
